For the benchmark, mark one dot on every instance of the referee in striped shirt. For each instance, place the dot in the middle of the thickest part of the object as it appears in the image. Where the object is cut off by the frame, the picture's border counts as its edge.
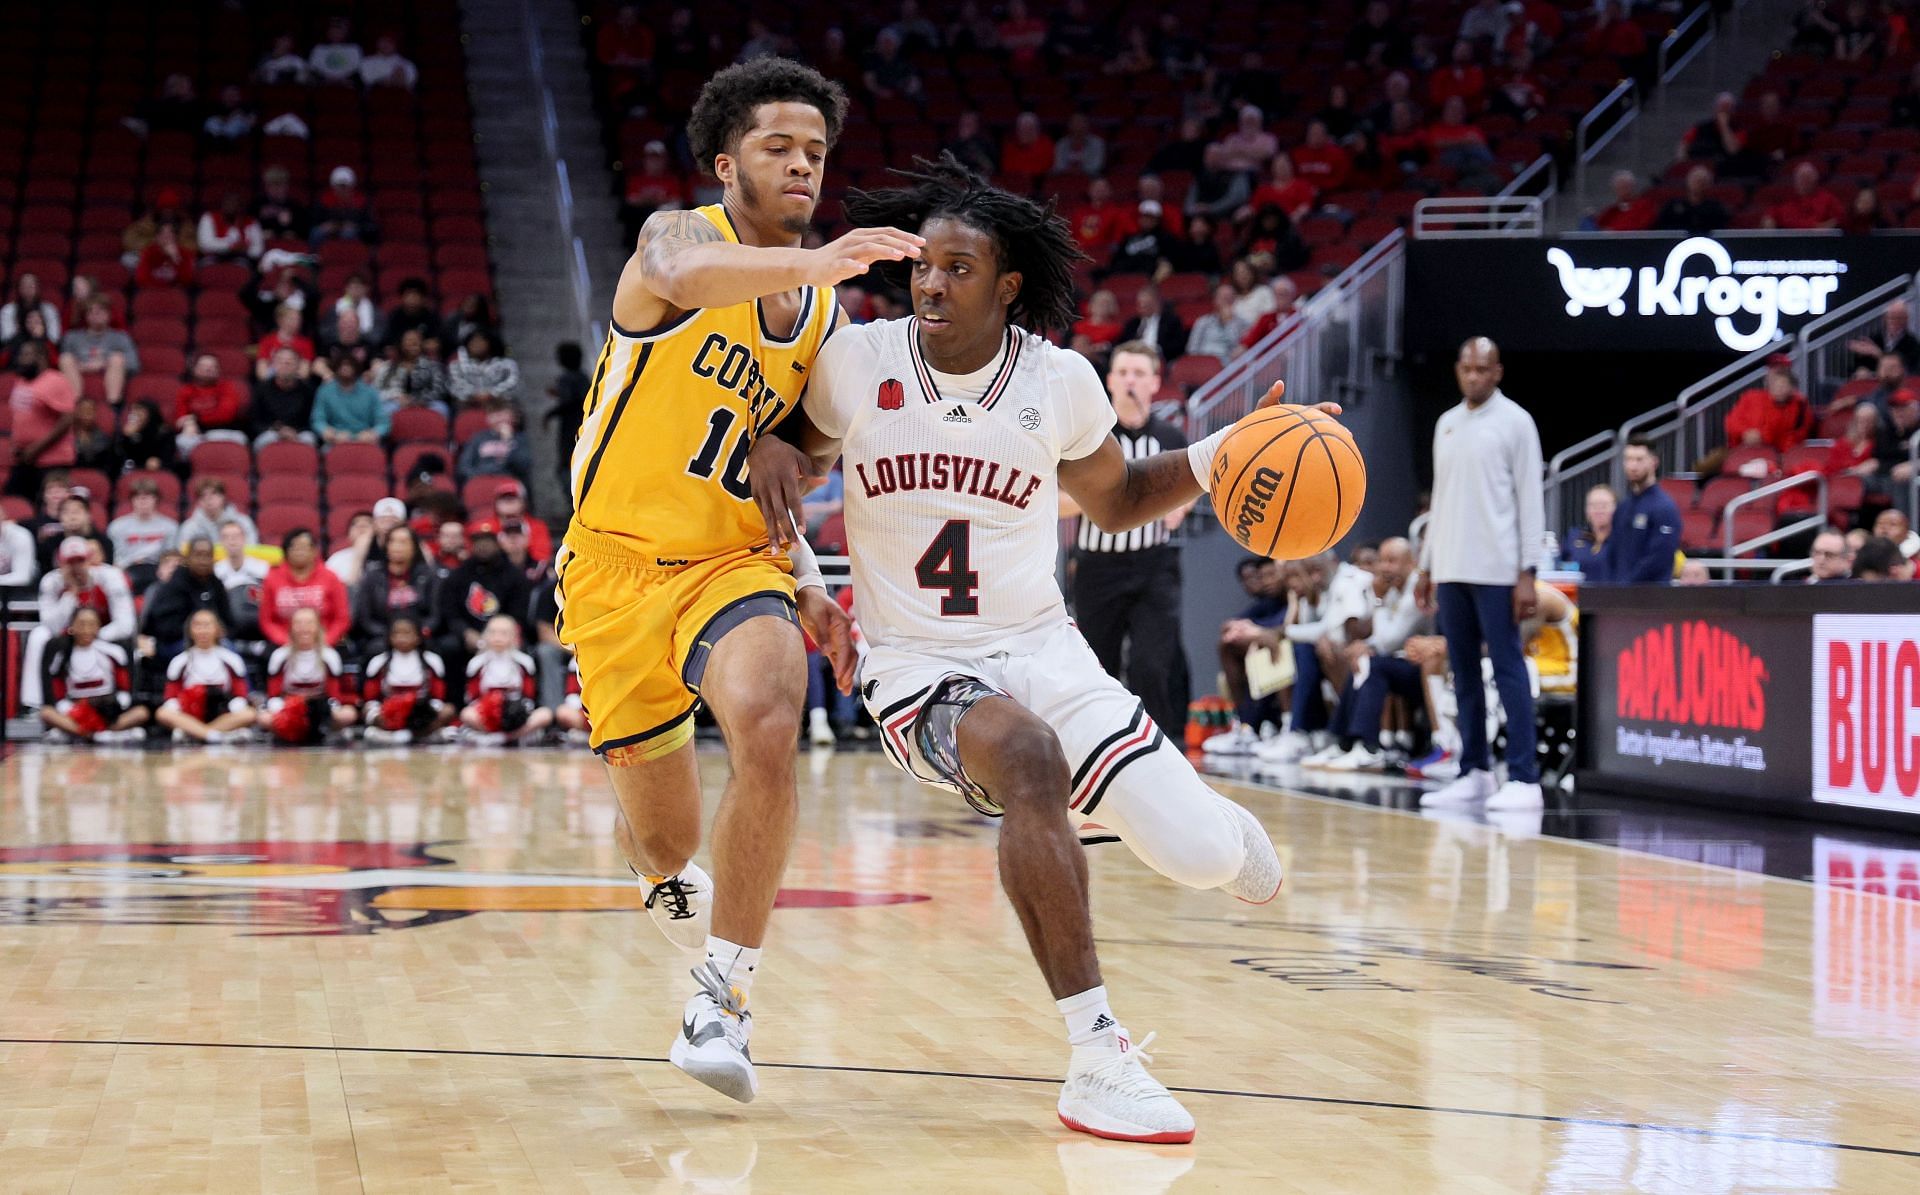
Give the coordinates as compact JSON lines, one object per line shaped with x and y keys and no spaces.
{"x":1126,"y":587}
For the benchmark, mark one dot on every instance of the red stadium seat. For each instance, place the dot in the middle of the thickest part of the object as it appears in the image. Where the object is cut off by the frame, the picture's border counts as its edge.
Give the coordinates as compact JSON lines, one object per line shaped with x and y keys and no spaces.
{"x":1190,"y":372}
{"x":219,"y":457}
{"x":357,"y":491}
{"x":1681,"y":490}
{"x":468,"y":422}
{"x":366,"y":460}
{"x":277,"y":520}
{"x":167,"y":482}
{"x":478,"y":493}
{"x":1744,"y":454}
{"x":1749,"y":523}
{"x":417,"y":425}
{"x":287,"y":488}
{"x":1696,"y":530}
{"x":407,"y":458}
{"x":1803,"y":458}
{"x":288,"y":458}
{"x":239,"y":488}
{"x":1846,"y":493}
{"x":1719,"y":491}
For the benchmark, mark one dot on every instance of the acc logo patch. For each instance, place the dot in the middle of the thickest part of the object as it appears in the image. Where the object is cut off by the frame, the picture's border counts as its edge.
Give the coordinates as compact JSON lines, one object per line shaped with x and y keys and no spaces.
{"x":1030,"y":418}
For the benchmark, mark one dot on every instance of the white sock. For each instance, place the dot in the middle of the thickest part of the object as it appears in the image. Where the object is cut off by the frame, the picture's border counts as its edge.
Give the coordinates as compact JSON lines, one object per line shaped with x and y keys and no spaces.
{"x":1087,"y":1016}
{"x":736,"y":963}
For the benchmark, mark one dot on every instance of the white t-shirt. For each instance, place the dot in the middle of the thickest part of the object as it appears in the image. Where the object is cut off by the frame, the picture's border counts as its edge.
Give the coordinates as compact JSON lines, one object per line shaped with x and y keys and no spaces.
{"x":952,"y":482}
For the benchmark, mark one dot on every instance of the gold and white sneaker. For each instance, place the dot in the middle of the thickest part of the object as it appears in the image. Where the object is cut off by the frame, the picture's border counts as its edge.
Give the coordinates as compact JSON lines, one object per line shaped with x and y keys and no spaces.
{"x":1108,"y":1093}
{"x":712,"y":1046}
{"x":682,"y":906}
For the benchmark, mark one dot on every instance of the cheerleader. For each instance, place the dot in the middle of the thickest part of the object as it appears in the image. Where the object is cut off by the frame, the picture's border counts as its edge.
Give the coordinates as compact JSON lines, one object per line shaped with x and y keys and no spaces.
{"x":500,"y":705}
{"x":91,"y":685}
{"x":206,"y":697}
{"x":307,"y":689}
{"x":404,"y":694}
{"x":572,"y":714}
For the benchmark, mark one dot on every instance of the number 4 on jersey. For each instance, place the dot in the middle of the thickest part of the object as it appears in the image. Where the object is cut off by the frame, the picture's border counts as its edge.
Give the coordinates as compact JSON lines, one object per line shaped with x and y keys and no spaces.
{"x":944,"y":566}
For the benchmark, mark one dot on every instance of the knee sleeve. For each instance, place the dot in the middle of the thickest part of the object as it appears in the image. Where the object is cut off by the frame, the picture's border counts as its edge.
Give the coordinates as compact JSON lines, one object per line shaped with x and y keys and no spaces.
{"x":1178,"y":826}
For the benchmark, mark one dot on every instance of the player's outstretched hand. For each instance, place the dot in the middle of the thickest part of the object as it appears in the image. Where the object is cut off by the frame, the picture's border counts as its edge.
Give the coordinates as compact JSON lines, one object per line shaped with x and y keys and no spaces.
{"x":832,"y":630}
{"x":779,"y":474}
{"x":1273,"y":395}
{"x":854,"y":253}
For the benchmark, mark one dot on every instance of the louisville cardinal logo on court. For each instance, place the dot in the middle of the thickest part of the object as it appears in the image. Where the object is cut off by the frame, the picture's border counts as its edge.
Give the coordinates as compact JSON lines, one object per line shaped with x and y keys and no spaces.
{"x":893,"y":395}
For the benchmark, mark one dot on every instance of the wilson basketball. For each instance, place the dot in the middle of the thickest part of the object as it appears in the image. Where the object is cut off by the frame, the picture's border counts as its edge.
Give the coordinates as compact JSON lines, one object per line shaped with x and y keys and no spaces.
{"x":1288,"y":482}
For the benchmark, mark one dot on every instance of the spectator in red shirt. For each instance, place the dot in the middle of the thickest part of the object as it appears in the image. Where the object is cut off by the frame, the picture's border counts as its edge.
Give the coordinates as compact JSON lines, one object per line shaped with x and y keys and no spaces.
{"x":1286,"y":297}
{"x":1101,"y":329}
{"x":1774,"y":414}
{"x":303,"y":583}
{"x":1630,"y":210}
{"x":165,"y":262}
{"x":1321,"y":162}
{"x":42,"y":403}
{"x":1864,"y":214}
{"x":656,"y":184}
{"x":1403,"y":145}
{"x":1029,"y":151}
{"x":624,"y":43}
{"x":1022,"y":35}
{"x":1809,"y":206}
{"x":1856,"y":453}
{"x":285,"y":335}
{"x":1774,"y":137}
{"x":1100,"y":223}
{"x":1455,"y":141}
{"x":208,"y":406}
{"x":1283,"y":190}
{"x":1615,"y":35}
{"x":1461,"y":77}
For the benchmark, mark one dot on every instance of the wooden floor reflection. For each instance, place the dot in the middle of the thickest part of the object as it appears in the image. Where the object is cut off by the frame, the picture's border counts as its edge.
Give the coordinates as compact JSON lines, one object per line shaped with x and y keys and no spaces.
{"x":243,"y":970}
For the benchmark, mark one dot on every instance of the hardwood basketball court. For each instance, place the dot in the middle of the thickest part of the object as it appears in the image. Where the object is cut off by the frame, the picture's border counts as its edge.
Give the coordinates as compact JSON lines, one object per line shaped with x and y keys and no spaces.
{"x":238,"y":970}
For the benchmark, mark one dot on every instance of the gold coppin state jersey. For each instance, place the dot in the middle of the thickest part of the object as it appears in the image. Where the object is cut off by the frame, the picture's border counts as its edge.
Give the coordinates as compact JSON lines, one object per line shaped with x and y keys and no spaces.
{"x":661,"y":462}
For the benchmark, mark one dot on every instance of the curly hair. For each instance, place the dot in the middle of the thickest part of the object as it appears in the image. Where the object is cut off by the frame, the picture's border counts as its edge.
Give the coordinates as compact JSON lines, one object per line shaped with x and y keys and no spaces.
{"x":724,"y":112}
{"x":1028,"y":236}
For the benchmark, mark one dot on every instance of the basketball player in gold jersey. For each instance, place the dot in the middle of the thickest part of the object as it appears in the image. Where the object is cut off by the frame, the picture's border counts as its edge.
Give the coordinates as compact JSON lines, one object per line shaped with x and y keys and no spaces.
{"x":669,"y":592}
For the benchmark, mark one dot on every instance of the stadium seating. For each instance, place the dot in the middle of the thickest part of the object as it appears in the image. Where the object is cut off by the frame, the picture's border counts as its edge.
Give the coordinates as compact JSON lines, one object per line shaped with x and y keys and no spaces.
{"x":77,"y":167}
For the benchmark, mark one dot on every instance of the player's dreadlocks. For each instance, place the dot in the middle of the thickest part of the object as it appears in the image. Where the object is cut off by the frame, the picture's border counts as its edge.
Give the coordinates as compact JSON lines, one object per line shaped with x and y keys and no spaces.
{"x":724,"y":112}
{"x":1027,"y":236}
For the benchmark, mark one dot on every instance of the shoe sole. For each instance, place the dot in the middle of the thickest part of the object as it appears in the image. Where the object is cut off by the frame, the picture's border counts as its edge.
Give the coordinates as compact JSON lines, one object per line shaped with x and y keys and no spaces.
{"x":1180,"y":1137}
{"x":727,"y":1077}
{"x":1245,"y":815}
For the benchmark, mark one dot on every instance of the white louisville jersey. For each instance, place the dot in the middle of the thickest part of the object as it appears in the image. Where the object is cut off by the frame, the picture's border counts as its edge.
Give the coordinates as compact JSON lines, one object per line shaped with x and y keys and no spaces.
{"x":952,"y":490}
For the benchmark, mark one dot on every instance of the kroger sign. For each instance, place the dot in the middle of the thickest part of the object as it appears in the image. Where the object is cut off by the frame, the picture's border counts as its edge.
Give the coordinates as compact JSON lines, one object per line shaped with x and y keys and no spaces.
{"x":1745,"y":297}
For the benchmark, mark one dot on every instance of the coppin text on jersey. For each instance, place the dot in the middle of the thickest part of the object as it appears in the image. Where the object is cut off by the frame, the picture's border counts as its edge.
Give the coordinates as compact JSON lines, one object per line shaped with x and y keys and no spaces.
{"x":910,"y":471}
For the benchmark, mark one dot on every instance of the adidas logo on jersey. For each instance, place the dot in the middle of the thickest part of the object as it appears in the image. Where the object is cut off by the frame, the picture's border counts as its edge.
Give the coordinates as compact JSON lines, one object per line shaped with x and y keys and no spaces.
{"x":957,"y":415}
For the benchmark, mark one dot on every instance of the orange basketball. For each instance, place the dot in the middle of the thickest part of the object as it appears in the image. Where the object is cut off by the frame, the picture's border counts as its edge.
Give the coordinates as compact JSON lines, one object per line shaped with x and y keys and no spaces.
{"x":1288,"y":482}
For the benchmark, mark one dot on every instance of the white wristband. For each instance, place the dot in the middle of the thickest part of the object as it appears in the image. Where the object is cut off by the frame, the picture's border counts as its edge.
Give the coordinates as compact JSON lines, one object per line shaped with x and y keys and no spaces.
{"x":1200,"y":456}
{"x":806,"y":567}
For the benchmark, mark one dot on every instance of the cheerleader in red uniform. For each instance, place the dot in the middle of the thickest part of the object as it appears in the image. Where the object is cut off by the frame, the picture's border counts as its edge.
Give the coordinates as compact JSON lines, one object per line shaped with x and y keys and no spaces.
{"x":500,"y":705}
{"x":405,"y":690}
{"x":572,"y":714}
{"x":307,"y":689}
{"x":206,"y":687}
{"x":91,"y":686}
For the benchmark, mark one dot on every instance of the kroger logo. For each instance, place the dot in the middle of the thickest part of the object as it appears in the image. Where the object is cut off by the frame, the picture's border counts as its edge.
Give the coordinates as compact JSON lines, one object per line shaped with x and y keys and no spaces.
{"x":1754,"y":292}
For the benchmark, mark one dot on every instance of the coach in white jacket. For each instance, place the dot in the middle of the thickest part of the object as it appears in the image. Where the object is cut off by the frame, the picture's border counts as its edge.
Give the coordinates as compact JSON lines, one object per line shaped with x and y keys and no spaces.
{"x":1484,"y":531}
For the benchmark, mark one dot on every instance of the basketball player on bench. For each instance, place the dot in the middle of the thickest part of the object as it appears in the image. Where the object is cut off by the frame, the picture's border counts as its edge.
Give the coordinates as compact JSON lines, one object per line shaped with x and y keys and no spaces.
{"x":958,"y":429}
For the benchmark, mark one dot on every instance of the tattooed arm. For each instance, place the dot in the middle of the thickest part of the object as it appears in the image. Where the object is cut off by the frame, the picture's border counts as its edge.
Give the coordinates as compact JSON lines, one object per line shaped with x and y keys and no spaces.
{"x":1119,"y":494}
{"x":683,"y":262}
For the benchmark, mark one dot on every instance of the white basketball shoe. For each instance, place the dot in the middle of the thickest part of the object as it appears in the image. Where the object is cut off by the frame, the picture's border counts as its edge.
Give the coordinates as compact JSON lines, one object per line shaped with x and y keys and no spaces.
{"x":712,"y":1046}
{"x":682,"y":906}
{"x":1109,"y":1094}
{"x":1259,"y":878}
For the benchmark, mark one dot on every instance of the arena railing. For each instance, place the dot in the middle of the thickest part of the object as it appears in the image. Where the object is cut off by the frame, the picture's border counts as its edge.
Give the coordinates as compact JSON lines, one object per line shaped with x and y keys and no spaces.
{"x":1666,"y":425}
{"x":1602,"y":123}
{"x":1683,"y":43}
{"x":1328,"y":350}
{"x":578,"y":277}
{"x":1812,"y":521}
{"x":1570,"y":474}
{"x":1821,"y":356}
{"x":1480,"y":216}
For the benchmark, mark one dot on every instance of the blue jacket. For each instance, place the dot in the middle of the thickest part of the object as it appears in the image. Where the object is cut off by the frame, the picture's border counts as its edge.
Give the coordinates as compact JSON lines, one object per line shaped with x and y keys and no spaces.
{"x":1646,"y":534}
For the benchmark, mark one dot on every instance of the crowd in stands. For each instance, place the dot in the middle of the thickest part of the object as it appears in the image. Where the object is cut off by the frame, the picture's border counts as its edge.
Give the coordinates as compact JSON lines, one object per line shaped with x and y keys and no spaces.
{"x":1269,"y":169}
{"x":1826,"y":137}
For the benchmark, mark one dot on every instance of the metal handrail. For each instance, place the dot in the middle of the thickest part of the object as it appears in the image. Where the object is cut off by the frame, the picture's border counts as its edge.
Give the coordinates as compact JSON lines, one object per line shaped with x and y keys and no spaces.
{"x":1543,"y":165}
{"x":1843,"y":322}
{"x":1567,"y":463}
{"x":1292,"y":334}
{"x":1797,"y":481}
{"x":1479,"y":216}
{"x":1790,"y":568}
{"x":1585,"y":150}
{"x":1666,"y":64}
{"x":1672,"y":416}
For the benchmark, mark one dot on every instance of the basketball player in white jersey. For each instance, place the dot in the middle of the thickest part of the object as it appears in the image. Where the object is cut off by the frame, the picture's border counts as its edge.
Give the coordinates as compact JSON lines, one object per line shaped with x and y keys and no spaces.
{"x":957,"y":429}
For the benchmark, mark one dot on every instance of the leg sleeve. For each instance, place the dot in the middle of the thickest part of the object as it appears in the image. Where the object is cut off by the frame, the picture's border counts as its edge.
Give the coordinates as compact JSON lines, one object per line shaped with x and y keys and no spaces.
{"x":1172,"y":821}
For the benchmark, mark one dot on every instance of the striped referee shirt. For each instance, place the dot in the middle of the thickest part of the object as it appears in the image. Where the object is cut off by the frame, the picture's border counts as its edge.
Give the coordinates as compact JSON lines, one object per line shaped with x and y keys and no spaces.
{"x":1136,"y":443}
